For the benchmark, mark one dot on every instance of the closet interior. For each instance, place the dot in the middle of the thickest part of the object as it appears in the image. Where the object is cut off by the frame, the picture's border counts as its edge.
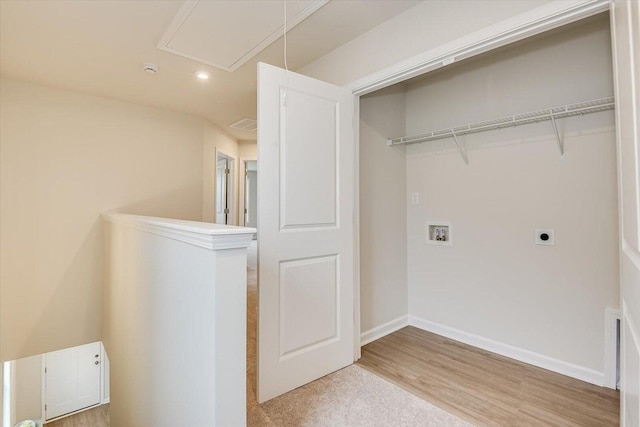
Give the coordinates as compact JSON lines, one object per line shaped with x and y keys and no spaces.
{"x":488,"y":201}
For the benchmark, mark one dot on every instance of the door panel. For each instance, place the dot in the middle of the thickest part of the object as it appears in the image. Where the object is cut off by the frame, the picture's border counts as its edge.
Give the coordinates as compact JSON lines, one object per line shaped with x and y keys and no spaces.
{"x":305,"y":230}
{"x":72,"y":379}
{"x":309,"y":297}
{"x":308,"y":183}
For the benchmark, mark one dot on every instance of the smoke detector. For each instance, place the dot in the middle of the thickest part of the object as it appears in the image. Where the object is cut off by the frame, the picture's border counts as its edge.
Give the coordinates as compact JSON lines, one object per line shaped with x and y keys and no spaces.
{"x":149,"y":68}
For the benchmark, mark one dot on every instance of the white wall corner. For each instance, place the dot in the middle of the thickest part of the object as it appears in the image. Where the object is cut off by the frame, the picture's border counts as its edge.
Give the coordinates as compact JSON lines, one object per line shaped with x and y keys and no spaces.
{"x":385,"y":329}
{"x":536,"y":359}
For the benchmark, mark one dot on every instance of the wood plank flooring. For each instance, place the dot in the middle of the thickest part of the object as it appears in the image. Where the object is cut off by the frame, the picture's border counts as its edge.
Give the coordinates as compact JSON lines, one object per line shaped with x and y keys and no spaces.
{"x":484,"y":388}
{"x":96,"y":417}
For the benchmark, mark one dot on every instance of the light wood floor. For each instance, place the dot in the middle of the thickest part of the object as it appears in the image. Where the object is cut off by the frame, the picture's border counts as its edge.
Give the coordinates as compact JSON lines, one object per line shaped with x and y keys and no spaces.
{"x":96,"y":417}
{"x":484,"y":388}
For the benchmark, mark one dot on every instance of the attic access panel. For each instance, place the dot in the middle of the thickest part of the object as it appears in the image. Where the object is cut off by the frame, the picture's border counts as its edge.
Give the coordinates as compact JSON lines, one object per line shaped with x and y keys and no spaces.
{"x":226,"y":34}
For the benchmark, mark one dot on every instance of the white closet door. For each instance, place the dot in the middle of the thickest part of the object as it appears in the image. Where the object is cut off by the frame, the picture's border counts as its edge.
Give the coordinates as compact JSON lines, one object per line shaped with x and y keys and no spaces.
{"x":72,"y":379}
{"x":305,"y":230}
{"x":625,"y":26}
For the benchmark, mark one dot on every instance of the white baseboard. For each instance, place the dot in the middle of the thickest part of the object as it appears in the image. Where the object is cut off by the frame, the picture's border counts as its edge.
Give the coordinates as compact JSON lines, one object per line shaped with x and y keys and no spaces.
{"x":526,"y":356}
{"x":385,"y":329}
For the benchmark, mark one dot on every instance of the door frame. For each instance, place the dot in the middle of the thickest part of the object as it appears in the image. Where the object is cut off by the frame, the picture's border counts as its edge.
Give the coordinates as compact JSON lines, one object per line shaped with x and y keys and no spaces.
{"x":553,"y":15}
{"x":242,"y":190}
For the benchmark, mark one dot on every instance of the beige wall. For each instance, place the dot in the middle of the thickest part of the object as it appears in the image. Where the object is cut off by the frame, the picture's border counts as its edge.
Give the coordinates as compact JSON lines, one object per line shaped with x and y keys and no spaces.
{"x":65,"y":158}
{"x":248,"y":149}
{"x":383,"y":210}
{"x":423,"y":27}
{"x":494,"y":281}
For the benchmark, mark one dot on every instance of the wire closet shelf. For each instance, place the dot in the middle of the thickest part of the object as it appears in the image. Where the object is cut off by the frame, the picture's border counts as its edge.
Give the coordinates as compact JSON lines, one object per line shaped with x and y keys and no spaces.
{"x":569,"y":110}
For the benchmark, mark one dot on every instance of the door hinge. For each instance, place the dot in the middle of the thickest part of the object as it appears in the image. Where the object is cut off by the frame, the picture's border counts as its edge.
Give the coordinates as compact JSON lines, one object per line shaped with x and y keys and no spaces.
{"x":45,"y":408}
{"x":245,"y":210}
{"x":45,"y":369}
{"x":227,"y":171}
{"x":226,"y":211}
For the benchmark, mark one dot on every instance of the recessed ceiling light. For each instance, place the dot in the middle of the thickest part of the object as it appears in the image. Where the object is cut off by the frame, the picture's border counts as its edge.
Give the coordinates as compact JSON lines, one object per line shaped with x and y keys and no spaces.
{"x":202,"y":75}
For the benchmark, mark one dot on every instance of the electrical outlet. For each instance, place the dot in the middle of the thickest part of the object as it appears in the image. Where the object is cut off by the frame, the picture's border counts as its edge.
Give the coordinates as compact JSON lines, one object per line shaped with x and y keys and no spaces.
{"x":415,"y":198}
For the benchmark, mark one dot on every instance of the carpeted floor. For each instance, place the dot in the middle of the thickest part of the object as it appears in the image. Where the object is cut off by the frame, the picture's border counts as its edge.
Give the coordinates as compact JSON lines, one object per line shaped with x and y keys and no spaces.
{"x":349,"y":397}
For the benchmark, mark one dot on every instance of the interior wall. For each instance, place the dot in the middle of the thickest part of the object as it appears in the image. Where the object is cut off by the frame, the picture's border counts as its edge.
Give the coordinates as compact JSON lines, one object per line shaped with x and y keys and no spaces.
{"x":425,"y":26}
{"x":383,"y":210}
{"x":248,"y":149}
{"x":216,"y":140}
{"x":65,"y":158}
{"x":494,"y":281}
{"x":169,"y":310}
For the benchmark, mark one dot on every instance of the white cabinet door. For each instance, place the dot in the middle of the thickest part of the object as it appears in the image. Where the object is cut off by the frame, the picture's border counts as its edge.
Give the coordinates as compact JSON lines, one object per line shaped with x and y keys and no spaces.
{"x":72,"y":379}
{"x":305,"y":230}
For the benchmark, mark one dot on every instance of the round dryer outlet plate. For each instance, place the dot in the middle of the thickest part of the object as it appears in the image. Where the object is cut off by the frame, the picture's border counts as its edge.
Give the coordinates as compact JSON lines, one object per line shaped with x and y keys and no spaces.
{"x":545,"y":236}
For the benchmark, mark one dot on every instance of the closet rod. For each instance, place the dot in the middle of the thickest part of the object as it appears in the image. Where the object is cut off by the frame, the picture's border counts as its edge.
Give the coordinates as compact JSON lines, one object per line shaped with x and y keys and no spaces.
{"x":568,"y":110}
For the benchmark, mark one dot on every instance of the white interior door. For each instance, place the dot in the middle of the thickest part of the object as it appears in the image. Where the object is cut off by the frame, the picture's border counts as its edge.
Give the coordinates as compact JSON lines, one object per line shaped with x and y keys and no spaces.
{"x":625,"y":26}
{"x":72,"y":379}
{"x":222,"y":176}
{"x":305,"y":229}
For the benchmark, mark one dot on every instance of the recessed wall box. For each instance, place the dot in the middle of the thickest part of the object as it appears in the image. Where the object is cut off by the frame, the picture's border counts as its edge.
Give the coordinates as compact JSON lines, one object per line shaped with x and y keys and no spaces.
{"x":439,"y":233}
{"x":545,"y":236}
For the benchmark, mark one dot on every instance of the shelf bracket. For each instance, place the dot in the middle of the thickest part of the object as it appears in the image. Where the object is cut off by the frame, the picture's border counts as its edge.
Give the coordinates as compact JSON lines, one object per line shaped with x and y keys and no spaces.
{"x":558,"y":139}
{"x":461,"y":148}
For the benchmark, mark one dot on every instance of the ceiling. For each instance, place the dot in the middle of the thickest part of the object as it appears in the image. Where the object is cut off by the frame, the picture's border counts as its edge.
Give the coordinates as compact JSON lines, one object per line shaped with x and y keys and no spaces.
{"x":98,"y":47}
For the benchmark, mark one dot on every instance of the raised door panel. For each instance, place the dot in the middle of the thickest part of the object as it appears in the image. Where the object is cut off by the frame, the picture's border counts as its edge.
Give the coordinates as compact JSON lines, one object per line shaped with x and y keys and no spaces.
{"x":308,"y":182}
{"x":310,"y":300}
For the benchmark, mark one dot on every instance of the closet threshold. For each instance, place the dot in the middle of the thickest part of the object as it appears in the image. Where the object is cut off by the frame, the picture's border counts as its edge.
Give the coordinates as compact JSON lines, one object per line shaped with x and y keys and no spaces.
{"x":569,"y":110}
